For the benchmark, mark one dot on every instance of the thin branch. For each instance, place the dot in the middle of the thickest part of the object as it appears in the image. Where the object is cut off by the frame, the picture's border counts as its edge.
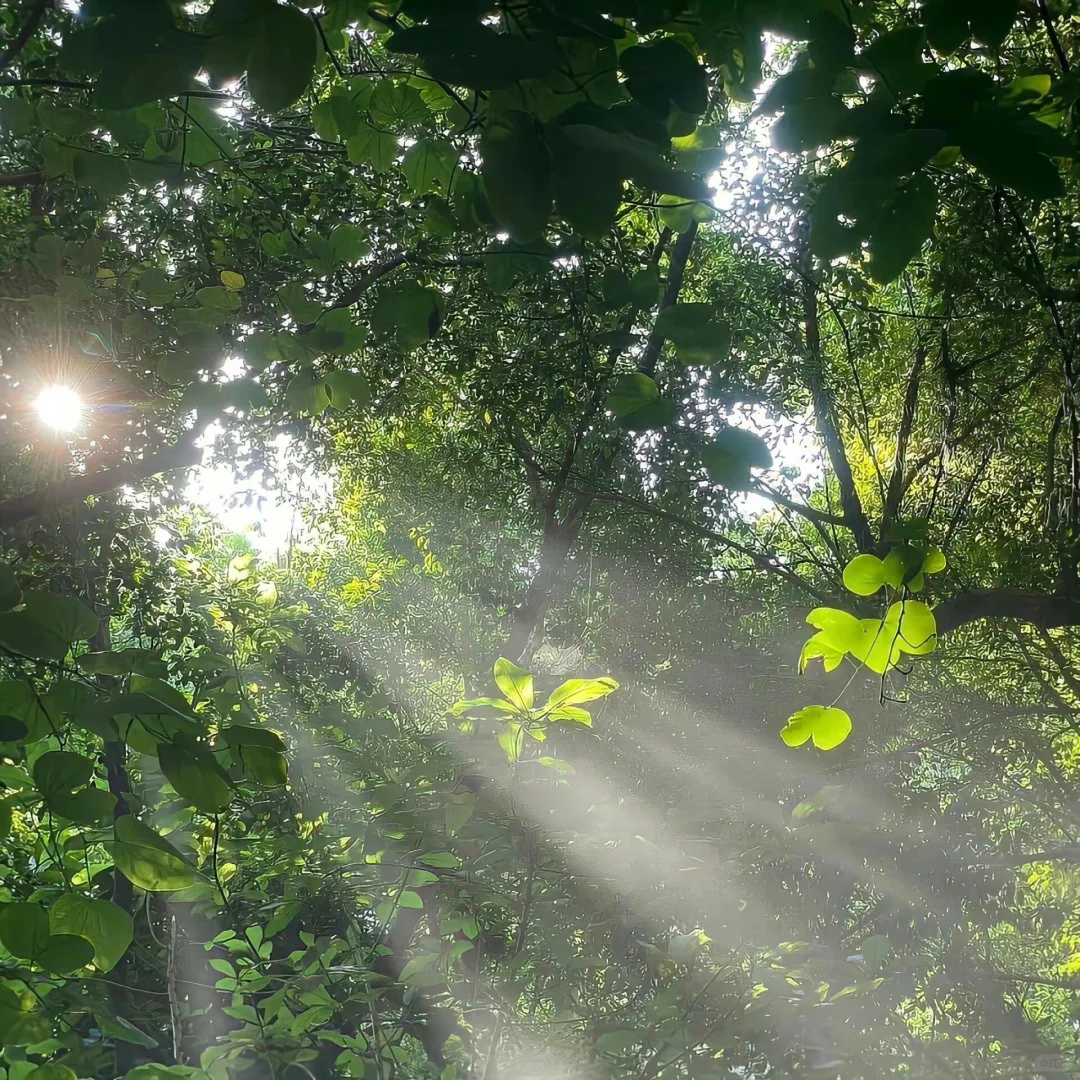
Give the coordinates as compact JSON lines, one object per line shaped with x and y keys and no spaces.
{"x":819,"y":517}
{"x":1055,"y":41}
{"x":680,"y":255}
{"x":379,"y":270}
{"x":26,"y":32}
{"x":763,"y":562}
{"x":855,"y":517}
{"x":895,"y":493}
{"x":15,"y":511}
{"x":71,"y":84}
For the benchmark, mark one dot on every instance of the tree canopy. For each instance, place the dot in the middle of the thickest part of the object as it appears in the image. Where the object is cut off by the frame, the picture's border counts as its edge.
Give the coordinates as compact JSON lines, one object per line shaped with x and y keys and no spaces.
{"x":671,"y":668}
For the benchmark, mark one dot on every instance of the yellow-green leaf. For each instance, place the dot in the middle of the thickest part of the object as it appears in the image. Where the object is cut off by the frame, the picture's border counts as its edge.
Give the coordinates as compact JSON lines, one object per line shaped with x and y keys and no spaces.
{"x":827,"y":727}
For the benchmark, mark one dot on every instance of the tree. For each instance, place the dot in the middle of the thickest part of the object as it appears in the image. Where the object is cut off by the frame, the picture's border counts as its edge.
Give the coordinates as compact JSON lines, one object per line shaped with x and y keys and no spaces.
{"x":510,"y":765}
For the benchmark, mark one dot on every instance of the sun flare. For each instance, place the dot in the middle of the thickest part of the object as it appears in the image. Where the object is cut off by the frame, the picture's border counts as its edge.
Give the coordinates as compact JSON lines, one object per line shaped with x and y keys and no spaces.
{"x":60,"y":408}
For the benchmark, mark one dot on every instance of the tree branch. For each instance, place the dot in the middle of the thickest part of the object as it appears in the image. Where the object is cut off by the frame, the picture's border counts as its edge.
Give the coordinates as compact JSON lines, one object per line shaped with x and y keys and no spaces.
{"x":1055,"y":41}
{"x":680,"y":256}
{"x":181,"y":456}
{"x":855,"y":517}
{"x":763,"y":562}
{"x":1044,"y":610}
{"x":379,"y":270}
{"x":26,"y":32}
{"x":895,"y":493}
{"x":27,"y":178}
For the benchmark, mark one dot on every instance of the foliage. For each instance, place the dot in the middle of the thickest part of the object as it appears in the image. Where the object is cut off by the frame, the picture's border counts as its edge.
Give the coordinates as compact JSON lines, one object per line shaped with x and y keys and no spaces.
{"x":622,"y":337}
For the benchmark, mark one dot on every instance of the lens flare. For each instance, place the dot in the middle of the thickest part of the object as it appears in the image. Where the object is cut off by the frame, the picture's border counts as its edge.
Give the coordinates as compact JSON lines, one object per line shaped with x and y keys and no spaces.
{"x":60,"y":408}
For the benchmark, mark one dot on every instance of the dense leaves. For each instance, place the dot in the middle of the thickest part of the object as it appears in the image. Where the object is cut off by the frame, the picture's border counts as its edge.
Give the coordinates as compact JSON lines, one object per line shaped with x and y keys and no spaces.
{"x":541,"y":341}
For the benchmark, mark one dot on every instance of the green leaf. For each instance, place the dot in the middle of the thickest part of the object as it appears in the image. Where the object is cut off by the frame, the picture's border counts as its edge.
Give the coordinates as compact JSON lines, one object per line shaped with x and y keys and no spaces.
{"x":195,"y":775}
{"x":429,"y":164}
{"x":263,"y":766}
{"x":107,"y":927}
{"x":349,"y":244}
{"x":368,"y":146}
{"x":637,"y":404}
{"x":238,"y":735}
{"x":516,"y":685}
{"x":1004,"y":156}
{"x":12,"y":729}
{"x":18,"y":699}
{"x":20,"y":1025}
{"x":935,"y":561}
{"x":665,"y":74}
{"x":24,"y":930}
{"x":875,"y":951}
{"x":147,"y":859}
{"x":587,"y":186}
{"x":109,"y":176}
{"x":444,"y":860}
{"x":65,"y":953}
{"x":61,"y":772}
{"x":899,"y":232}
{"x":578,"y":691}
{"x":408,"y":312}
{"x":398,"y":106}
{"x":10,"y":593}
{"x":902,"y":565}
{"x":282,"y":58}
{"x":695,"y":332}
{"x":301,"y":310}
{"x":120,"y":1028}
{"x":517,"y":176}
{"x":571,"y":714}
{"x":827,"y":727}
{"x":50,"y":1072}
{"x":679,"y":214}
{"x":124,"y":662}
{"x":218,"y":298}
{"x":283,"y":915}
{"x":86,"y":807}
{"x":306,"y":394}
{"x":947,"y":24}
{"x":348,"y":388}
{"x":864,"y":575}
{"x":47,"y":625}
{"x":729,"y":458}
{"x":841,"y":629}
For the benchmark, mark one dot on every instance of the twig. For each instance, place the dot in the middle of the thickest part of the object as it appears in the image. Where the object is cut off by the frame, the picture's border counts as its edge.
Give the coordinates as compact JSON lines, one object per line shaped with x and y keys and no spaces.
{"x":26,"y":32}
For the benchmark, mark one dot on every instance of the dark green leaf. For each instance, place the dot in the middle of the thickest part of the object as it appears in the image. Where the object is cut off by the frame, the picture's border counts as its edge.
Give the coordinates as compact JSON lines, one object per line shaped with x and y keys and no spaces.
{"x":24,"y":930}
{"x":195,"y":776}
{"x":282,"y":58}
{"x":517,"y":175}
{"x":65,"y":953}
{"x":902,"y":228}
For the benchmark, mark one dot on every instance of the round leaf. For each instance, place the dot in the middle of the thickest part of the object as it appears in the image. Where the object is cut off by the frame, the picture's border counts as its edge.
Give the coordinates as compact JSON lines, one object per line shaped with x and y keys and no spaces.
{"x":864,"y":575}
{"x":108,"y":928}
{"x":827,"y":727}
{"x":66,"y":953}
